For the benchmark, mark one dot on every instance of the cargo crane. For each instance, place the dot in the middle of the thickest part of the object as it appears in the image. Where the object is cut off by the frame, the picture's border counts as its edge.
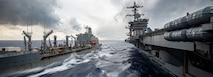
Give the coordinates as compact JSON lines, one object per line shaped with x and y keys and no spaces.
{"x":75,"y":41}
{"x":28,"y":35}
{"x":67,"y":40}
{"x":25,"y":43}
{"x":44,"y":40}
{"x":50,"y":43}
{"x":55,"y":41}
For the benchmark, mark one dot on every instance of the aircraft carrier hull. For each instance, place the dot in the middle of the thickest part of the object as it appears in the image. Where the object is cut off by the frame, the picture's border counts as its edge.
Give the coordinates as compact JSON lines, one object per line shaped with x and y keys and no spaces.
{"x":184,"y":46}
{"x":183,"y":59}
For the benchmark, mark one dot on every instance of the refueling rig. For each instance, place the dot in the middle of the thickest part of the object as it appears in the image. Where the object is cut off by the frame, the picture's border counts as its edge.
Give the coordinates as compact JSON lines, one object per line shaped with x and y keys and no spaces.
{"x":14,"y":59}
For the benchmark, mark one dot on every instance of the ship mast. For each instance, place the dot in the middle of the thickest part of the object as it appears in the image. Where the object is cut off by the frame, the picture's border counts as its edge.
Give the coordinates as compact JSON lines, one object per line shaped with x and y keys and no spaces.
{"x":75,"y":41}
{"x":135,"y":9}
{"x":28,"y":35}
{"x":138,"y":26}
{"x":67,"y":40}
{"x":45,"y":38}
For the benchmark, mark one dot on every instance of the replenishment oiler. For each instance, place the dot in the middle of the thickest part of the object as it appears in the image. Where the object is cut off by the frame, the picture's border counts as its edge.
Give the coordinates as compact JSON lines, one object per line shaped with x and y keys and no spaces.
{"x":184,"y":46}
{"x":14,"y":59}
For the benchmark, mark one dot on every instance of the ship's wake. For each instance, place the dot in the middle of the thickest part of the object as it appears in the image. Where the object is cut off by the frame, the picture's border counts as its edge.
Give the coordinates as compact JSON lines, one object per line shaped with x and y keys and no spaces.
{"x":113,"y":59}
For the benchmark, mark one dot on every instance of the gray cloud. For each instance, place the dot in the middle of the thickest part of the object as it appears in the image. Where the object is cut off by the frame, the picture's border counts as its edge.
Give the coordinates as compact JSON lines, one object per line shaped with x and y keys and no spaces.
{"x":75,"y":24}
{"x":31,"y":12}
{"x":163,"y":11}
{"x":168,"y":10}
{"x":123,"y":12}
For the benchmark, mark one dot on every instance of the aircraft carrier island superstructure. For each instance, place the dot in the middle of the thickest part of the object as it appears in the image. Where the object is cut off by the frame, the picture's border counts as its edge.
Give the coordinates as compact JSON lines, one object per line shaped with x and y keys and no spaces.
{"x":13,"y":59}
{"x":184,"y":46}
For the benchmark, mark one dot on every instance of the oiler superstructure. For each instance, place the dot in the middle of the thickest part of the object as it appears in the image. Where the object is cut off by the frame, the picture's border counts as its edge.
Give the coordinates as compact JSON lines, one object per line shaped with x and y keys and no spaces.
{"x":184,"y":46}
{"x":13,"y":59}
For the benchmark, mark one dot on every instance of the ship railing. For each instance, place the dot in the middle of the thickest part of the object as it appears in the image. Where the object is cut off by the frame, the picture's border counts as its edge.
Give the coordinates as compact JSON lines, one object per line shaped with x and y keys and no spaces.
{"x":8,"y":54}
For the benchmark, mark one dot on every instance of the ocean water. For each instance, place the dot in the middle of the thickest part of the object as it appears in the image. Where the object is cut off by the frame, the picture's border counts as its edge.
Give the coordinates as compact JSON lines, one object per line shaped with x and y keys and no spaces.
{"x":113,"y":59}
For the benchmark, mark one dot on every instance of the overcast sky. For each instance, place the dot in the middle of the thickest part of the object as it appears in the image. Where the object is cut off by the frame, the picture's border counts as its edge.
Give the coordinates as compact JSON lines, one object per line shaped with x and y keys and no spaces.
{"x":69,"y":17}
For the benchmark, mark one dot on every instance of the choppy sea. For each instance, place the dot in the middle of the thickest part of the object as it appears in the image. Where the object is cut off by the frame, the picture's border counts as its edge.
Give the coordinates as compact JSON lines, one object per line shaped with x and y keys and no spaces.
{"x":113,"y":59}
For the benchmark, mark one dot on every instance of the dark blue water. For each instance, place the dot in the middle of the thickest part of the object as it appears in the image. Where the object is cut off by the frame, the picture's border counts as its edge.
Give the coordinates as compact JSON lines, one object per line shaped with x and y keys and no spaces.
{"x":113,"y":59}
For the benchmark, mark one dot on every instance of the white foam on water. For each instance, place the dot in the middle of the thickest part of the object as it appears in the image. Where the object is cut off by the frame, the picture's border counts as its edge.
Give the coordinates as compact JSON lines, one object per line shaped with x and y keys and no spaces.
{"x":109,"y":59}
{"x":29,"y":70}
{"x":67,"y":63}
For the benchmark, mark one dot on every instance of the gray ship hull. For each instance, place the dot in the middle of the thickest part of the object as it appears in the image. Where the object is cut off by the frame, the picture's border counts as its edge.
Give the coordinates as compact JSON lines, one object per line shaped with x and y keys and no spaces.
{"x":14,"y":64}
{"x":184,"y":46}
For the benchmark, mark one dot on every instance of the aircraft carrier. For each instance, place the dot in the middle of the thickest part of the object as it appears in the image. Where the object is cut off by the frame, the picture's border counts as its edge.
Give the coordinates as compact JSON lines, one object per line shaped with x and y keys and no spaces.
{"x":184,"y":46}
{"x":14,"y":59}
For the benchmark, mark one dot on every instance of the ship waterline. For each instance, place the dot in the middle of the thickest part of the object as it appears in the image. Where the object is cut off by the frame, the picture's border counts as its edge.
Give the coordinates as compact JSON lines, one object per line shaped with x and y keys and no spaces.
{"x":14,"y":59}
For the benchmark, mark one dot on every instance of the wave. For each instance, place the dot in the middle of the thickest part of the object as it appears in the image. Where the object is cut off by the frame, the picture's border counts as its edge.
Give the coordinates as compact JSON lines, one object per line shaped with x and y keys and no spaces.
{"x":113,"y":59}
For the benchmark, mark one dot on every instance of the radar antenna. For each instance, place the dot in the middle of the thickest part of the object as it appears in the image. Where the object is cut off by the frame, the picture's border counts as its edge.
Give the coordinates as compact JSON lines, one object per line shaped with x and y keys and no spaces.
{"x":135,"y":9}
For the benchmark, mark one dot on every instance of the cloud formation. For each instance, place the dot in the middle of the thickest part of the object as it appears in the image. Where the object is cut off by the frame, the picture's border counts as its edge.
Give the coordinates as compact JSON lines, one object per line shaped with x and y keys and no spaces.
{"x":106,"y":17}
{"x":167,"y":10}
{"x":28,"y":12}
{"x":75,"y":24}
{"x":160,"y":12}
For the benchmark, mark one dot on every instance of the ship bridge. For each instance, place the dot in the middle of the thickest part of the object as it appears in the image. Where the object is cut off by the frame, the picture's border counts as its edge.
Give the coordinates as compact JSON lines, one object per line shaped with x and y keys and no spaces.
{"x":139,"y":25}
